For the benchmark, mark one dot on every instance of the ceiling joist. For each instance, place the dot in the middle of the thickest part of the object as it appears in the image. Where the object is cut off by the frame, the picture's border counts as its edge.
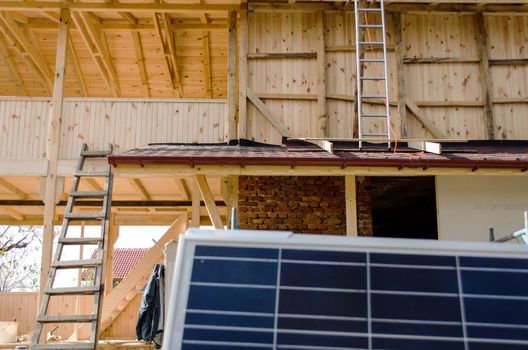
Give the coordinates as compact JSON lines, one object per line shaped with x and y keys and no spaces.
{"x":98,"y":48}
{"x":33,"y":56}
{"x":140,"y":188}
{"x":6,"y":57}
{"x":12,"y":188}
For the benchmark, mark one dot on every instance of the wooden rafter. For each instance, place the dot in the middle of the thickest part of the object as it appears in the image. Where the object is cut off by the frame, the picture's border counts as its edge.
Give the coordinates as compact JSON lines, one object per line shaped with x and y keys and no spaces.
{"x":12,"y":67}
{"x":96,"y":43}
{"x":206,"y":56}
{"x":77,"y":70}
{"x":184,"y":188}
{"x":171,"y":44}
{"x":16,"y":37}
{"x":15,"y":214}
{"x":166,"y":55}
{"x":141,"y":63}
{"x":12,"y":188}
{"x":142,"y":191}
{"x":94,"y":185}
{"x":209,"y":201}
{"x":126,"y":25}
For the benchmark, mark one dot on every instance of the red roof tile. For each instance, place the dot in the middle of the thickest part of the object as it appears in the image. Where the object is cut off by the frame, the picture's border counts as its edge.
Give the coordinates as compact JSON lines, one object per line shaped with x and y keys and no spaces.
{"x":125,"y":259}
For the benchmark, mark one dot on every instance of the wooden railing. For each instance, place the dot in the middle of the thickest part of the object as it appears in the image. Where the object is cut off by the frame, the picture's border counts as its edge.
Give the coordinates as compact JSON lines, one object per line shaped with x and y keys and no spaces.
{"x":126,"y":123}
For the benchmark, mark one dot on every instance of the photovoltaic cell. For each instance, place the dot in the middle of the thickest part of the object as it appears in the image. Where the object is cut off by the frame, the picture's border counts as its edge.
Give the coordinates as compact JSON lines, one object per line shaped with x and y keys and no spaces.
{"x":277,"y":298}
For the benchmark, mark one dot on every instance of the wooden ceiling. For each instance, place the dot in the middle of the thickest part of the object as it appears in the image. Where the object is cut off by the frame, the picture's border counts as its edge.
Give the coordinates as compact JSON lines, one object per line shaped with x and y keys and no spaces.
{"x":114,"y":53}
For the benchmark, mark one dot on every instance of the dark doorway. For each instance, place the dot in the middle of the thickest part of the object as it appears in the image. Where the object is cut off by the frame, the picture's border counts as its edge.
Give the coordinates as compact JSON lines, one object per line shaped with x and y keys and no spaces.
{"x":404,"y":207}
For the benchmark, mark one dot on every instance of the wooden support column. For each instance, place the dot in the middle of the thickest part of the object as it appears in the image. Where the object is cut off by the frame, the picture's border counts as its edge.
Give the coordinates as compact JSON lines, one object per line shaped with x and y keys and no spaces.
{"x":400,"y":73}
{"x":195,"y":215}
{"x":242,"y":72}
{"x":350,"y":199}
{"x":231,"y":76}
{"x":209,"y":201}
{"x":485,"y":76}
{"x":229,"y":189}
{"x":53,"y":147}
{"x":113,"y":235}
{"x":321,"y":77}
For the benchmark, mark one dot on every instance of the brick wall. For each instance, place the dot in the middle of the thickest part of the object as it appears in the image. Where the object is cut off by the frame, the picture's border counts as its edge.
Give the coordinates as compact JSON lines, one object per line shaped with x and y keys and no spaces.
{"x":302,"y":204}
{"x":364,"y":205}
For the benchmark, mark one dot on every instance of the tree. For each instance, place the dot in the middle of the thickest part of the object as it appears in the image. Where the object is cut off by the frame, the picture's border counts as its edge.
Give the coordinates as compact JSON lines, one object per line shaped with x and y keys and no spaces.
{"x":19,"y":252}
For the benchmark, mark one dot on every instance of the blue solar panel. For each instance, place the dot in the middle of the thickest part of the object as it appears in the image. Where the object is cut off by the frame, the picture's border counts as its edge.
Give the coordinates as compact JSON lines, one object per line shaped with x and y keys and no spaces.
{"x":327,"y":298}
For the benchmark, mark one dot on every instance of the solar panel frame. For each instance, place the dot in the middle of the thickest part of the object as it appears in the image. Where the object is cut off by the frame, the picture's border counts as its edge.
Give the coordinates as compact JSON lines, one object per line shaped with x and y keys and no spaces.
{"x":257,"y":247}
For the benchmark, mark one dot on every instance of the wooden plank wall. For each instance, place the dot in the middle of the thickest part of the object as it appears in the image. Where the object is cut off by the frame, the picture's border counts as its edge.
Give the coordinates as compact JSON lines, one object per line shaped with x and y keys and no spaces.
{"x":136,"y":123}
{"x":23,"y":128}
{"x":127,"y":123}
{"x":22,"y":306}
{"x":443,"y":73}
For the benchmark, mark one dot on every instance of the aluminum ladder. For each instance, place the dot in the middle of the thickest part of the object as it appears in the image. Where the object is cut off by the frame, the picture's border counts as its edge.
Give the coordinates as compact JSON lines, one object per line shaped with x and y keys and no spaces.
{"x":99,"y":199}
{"x":371,"y":71}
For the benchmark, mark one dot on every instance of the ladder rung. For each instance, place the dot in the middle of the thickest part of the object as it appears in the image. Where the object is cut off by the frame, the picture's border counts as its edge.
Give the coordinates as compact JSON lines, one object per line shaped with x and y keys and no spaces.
{"x":87,"y":194}
{"x":77,"y":263}
{"x":372,"y":78}
{"x":67,"y":319}
{"x":80,"y":240}
{"x":371,"y":43}
{"x":95,"y":154}
{"x":374,"y":134}
{"x":91,"y":173}
{"x":373,"y":96}
{"x":68,"y":346}
{"x":373,"y":116}
{"x":369,"y":9}
{"x":84,"y":216}
{"x":73,"y":290}
{"x":370,"y":26}
{"x":371,"y":60}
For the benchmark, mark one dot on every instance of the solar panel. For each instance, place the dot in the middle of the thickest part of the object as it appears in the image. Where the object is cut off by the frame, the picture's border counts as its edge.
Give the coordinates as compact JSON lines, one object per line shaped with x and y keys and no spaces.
{"x":267,"y":290}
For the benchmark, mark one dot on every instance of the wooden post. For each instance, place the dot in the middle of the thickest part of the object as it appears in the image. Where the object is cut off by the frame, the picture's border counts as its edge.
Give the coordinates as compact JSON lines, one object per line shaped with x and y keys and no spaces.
{"x":485,"y":74}
{"x":113,"y":235}
{"x":242,"y":73}
{"x":53,"y":147}
{"x":195,"y":215}
{"x":231,"y":76}
{"x":350,"y":199}
{"x":229,"y":188}
{"x":400,"y":73}
{"x":321,"y":77}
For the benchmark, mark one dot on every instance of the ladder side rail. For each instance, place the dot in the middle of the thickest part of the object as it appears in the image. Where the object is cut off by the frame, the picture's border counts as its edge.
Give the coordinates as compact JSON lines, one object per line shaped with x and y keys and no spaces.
{"x":387,"y":101}
{"x":358,"y":72}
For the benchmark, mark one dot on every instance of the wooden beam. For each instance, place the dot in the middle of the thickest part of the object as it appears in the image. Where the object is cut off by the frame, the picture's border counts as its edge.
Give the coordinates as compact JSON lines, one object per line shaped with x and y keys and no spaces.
{"x":231,"y":76}
{"x":242,"y":73}
{"x":138,"y":185}
{"x":141,"y":63}
{"x":77,"y":69}
{"x":430,"y":147}
{"x":400,"y":72}
{"x":420,"y":116}
{"x":322,"y":114}
{"x":12,"y":68}
{"x":182,"y":185}
{"x":128,"y":288}
{"x":23,"y":45}
{"x":207,"y":65}
{"x":12,"y":188}
{"x":261,"y":106}
{"x":53,"y":146}
{"x":485,"y":76}
{"x":166,"y":55}
{"x":116,"y":7}
{"x":171,"y":44}
{"x":113,"y":235}
{"x":207,"y":196}
{"x":229,"y":189}
{"x":351,"y":205}
{"x":93,"y":184}
{"x":98,"y":49}
{"x":13,"y":213}
{"x":282,"y":55}
{"x":195,"y":213}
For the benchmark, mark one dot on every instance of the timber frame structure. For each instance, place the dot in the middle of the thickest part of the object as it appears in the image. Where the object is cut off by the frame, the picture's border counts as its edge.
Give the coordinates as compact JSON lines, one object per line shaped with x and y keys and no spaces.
{"x":134,"y":73}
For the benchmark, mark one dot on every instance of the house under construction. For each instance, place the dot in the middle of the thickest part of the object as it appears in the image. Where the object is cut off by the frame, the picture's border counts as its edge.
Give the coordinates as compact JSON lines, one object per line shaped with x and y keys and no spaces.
{"x":406,"y":118}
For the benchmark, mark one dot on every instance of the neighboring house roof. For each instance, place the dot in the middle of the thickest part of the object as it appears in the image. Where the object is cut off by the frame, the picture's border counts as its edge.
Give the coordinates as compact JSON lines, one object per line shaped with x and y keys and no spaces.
{"x":125,"y":259}
{"x":471,"y":154}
